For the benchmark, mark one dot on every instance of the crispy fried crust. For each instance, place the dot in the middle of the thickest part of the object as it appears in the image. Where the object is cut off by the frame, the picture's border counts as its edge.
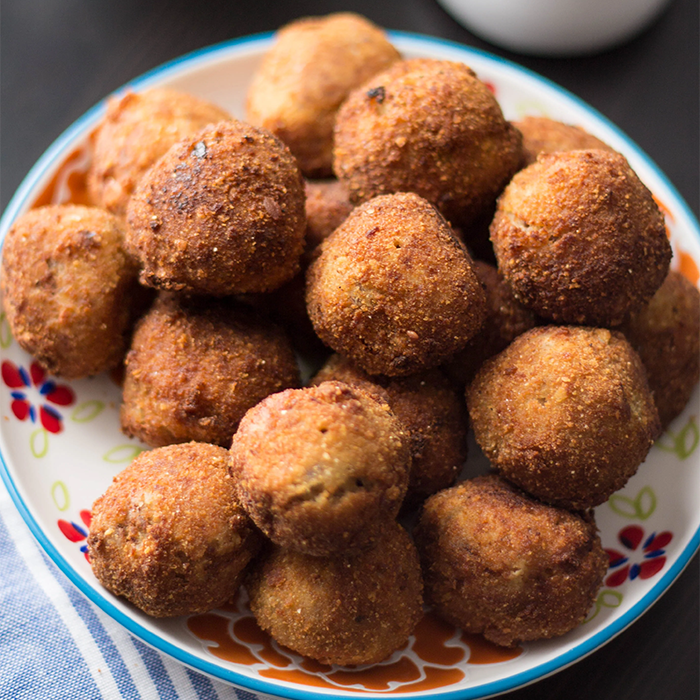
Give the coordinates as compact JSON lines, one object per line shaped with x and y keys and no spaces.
{"x":341,"y":610}
{"x":393,"y":288}
{"x":310,"y":69}
{"x":68,"y":287}
{"x":431,"y":409}
{"x":195,"y":367}
{"x":499,"y":563}
{"x":222,"y":212}
{"x":666,"y":334}
{"x":565,"y":413}
{"x":580,"y":239}
{"x":321,"y":469}
{"x":169,"y":534}
{"x":327,"y":206}
{"x":544,"y":135}
{"x":429,"y":127}
{"x":506,"y":319}
{"x":137,"y":129}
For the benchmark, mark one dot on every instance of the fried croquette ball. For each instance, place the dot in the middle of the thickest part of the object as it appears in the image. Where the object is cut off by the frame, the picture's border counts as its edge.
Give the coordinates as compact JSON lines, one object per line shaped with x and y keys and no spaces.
{"x":321,"y":469}
{"x":137,"y":129}
{"x":565,"y":412}
{"x":506,"y":319}
{"x":343,"y":610}
{"x":196,"y":366}
{"x":169,"y":534}
{"x":499,"y":563}
{"x":222,"y":212}
{"x":327,"y":206}
{"x":430,"y":127}
{"x":310,"y":69}
{"x":393,"y":288}
{"x":430,"y":408}
{"x":545,"y":135}
{"x":67,"y":286}
{"x":666,"y":334}
{"x":579,"y":238}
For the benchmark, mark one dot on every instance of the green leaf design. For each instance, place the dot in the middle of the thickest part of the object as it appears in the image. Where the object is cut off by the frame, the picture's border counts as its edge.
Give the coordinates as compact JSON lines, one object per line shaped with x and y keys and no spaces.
{"x":684,"y":442}
{"x":59,"y":494}
{"x":640,"y":507}
{"x":606,"y":599}
{"x":5,"y":332}
{"x":531,"y":106}
{"x":87,"y":411}
{"x":39,"y":442}
{"x":610,"y":599}
{"x":122,"y":453}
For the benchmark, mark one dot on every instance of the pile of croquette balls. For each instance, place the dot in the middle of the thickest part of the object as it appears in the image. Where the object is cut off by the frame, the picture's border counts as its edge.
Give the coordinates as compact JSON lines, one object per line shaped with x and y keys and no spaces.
{"x":379,"y":217}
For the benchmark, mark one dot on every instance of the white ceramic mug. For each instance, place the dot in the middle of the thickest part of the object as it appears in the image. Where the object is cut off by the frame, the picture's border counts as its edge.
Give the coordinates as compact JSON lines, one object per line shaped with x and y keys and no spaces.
{"x":555,"y":27}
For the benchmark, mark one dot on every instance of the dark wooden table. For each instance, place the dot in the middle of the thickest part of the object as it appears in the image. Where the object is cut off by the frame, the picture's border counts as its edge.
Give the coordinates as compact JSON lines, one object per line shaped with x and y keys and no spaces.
{"x":57,"y":59}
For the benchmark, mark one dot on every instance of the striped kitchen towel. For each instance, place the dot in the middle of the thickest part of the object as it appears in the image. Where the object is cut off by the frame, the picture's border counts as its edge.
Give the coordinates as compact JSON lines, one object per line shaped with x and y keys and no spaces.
{"x":55,"y":644}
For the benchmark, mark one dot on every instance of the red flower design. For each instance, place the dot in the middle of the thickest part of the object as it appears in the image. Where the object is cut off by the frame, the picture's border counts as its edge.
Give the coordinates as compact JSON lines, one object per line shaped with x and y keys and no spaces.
{"x":653,"y":555}
{"x":75,"y":532}
{"x":19,"y":380}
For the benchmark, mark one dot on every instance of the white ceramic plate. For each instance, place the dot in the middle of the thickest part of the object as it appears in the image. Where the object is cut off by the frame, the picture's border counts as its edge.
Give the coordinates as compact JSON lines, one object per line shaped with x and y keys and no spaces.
{"x":61,"y":445}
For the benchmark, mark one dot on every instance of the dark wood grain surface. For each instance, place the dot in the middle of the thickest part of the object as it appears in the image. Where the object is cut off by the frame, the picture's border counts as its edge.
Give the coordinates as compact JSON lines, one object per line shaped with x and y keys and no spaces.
{"x":60,"y":57}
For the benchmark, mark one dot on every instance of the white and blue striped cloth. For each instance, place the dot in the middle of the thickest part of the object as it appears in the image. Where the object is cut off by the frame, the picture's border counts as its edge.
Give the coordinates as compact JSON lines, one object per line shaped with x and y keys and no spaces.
{"x":55,"y":644}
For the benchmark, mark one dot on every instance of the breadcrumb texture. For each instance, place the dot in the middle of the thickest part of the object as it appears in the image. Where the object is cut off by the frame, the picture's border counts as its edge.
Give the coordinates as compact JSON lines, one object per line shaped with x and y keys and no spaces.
{"x":222,"y":212}
{"x":321,"y":469}
{"x":393,"y":288}
{"x":506,"y":318}
{"x":344,"y":610}
{"x":666,"y":334}
{"x":580,"y":239}
{"x":565,"y":413}
{"x":195,"y":367}
{"x":545,"y":135}
{"x":430,"y":127}
{"x":169,"y":534}
{"x":499,"y":563}
{"x":433,"y":411}
{"x":137,"y":129}
{"x":67,"y":286}
{"x":327,"y":206}
{"x":303,"y":79}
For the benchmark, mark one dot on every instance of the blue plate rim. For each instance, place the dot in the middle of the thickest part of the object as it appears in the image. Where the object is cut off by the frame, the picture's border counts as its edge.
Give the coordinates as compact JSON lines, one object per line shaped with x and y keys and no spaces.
{"x":481,"y":691}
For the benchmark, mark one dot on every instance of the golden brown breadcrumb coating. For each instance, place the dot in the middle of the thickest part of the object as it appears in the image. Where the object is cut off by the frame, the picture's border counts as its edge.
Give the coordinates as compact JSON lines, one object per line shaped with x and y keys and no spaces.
{"x":499,"y":563}
{"x":196,"y":366}
{"x":68,"y":286}
{"x":565,"y":413}
{"x":393,"y":288}
{"x":430,"y":127}
{"x":432,"y":410}
{"x":321,"y":469}
{"x":342,"y":610}
{"x":327,"y":206}
{"x":666,"y":334}
{"x":137,"y":129}
{"x":506,"y":319}
{"x":222,"y":212}
{"x":579,"y":238}
{"x":545,"y":135}
{"x":311,"y":67}
{"x":169,"y":534}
